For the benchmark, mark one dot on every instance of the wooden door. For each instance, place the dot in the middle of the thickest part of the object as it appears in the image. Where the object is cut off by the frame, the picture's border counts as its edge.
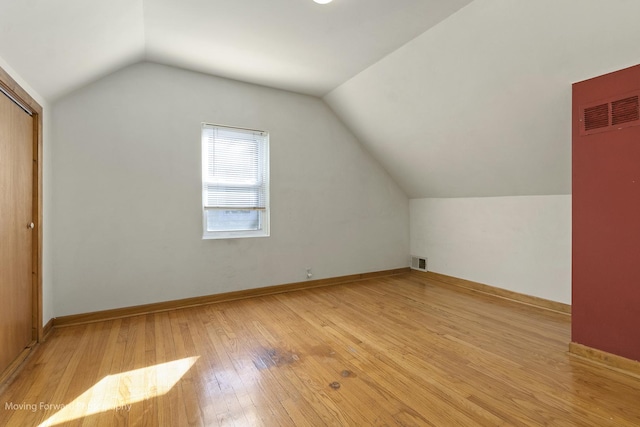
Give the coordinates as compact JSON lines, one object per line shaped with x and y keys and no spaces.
{"x":16,"y":232}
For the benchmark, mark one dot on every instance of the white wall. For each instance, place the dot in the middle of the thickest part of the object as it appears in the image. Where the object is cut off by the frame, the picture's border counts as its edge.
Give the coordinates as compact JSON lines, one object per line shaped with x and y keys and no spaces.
{"x":520,"y":243}
{"x":47,"y":276}
{"x":127,"y":216}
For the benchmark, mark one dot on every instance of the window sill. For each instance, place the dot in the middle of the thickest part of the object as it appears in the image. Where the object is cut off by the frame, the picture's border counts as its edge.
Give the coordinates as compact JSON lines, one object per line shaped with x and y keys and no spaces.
{"x":233,"y":235}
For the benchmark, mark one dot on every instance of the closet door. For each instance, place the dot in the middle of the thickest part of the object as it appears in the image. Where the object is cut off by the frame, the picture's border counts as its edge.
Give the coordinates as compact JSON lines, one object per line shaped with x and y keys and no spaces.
{"x":16,"y":225}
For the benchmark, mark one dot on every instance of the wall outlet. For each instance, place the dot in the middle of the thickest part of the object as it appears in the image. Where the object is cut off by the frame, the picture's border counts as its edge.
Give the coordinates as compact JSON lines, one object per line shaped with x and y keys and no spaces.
{"x":309,"y":273}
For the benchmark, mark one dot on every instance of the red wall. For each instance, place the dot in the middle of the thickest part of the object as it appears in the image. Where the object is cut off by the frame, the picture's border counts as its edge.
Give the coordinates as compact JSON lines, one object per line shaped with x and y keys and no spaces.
{"x":606,"y":225}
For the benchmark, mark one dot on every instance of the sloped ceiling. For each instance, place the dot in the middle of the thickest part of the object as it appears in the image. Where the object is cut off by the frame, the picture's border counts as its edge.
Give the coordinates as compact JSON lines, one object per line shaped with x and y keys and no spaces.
{"x":59,"y":45}
{"x":455,"y":98}
{"x":295,"y":45}
{"x":480,"y":105}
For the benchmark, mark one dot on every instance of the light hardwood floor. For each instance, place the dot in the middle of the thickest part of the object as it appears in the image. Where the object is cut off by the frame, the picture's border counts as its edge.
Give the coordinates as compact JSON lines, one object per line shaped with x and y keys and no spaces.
{"x":404,"y":350}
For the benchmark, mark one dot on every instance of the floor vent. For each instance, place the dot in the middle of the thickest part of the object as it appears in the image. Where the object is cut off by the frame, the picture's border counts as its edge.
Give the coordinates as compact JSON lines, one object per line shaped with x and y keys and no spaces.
{"x":418,"y":263}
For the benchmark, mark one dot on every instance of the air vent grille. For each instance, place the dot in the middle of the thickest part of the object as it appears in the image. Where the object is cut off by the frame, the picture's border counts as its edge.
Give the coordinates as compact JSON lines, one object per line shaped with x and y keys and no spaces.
{"x":610,"y":114}
{"x":419,"y":263}
{"x":625,"y":110}
{"x":596,"y":117}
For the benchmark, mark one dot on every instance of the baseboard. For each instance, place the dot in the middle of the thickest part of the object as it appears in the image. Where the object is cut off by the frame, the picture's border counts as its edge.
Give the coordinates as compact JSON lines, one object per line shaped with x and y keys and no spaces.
{"x":7,"y":376}
{"x":613,"y":361}
{"x":11,"y":371}
{"x":47,"y":329}
{"x":118,"y":313}
{"x":498,"y":292}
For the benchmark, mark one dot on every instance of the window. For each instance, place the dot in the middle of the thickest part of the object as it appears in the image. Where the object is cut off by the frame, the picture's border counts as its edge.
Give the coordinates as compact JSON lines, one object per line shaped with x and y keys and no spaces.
{"x":235,"y":182}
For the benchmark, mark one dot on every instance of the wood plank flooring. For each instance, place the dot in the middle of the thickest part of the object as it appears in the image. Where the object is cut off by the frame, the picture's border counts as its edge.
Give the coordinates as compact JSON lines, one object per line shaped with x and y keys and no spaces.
{"x":402,"y":350}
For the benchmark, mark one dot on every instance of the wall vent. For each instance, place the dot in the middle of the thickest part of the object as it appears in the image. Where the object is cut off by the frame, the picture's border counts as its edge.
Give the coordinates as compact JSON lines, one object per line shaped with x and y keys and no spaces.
{"x":624,"y":110}
{"x":596,"y":117}
{"x":610,"y":114}
{"x":418,"y":263}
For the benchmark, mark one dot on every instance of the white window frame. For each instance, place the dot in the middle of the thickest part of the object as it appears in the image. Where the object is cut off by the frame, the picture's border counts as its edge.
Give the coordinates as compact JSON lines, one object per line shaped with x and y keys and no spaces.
{"x":264,"y":212}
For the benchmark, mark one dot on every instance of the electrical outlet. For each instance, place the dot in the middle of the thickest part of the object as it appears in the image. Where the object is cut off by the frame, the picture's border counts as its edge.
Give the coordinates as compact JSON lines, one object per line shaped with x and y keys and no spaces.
{"x":309,"y":273}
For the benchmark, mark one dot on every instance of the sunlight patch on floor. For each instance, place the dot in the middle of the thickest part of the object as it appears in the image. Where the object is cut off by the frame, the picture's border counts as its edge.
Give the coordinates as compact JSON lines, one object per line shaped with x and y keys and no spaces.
{"x":119,"y":391}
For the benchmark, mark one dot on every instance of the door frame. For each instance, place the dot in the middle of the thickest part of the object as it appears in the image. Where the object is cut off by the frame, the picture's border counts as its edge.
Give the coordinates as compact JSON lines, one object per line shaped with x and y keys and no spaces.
{"x":11,"y":87}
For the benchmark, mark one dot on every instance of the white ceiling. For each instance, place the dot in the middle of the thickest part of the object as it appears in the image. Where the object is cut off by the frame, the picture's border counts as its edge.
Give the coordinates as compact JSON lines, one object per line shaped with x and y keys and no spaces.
{"x":468,"y":104}
{"x":480,"y":105}
{"x":295,"y":45}
{"x":58,"y":45}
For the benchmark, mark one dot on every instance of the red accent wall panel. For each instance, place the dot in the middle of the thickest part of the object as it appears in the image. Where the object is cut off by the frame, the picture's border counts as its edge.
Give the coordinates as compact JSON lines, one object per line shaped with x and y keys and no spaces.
{"x":606,"y":221}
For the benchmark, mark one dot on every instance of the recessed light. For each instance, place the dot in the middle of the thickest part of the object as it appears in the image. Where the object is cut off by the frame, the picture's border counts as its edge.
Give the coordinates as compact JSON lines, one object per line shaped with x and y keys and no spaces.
{"x":323,"y":1}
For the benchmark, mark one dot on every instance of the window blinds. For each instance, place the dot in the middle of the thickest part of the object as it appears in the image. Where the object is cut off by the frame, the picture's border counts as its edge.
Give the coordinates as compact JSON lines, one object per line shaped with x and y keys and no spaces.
{"x":235,"y":169}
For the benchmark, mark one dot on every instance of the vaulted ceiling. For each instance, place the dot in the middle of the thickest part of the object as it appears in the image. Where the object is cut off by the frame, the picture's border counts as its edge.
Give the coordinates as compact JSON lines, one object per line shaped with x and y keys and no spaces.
{"x":296,"y":45}
{"x":480,"y":105}
{"x":455,"y":98}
